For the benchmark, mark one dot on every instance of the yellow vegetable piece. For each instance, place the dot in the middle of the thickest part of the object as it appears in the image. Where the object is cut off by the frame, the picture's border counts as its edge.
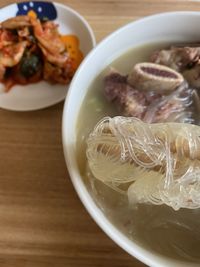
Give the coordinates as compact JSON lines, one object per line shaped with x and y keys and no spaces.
{"x":32,"y":14}
{"x":72,"y":46}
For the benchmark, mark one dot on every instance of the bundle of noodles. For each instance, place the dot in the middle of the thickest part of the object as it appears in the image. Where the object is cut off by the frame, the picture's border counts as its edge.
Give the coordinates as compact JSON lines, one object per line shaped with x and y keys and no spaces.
{"x":151,"y":163}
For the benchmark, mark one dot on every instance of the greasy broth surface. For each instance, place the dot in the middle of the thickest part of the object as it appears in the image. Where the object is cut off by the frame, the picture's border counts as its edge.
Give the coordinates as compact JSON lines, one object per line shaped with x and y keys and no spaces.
{"x":158,"y":228}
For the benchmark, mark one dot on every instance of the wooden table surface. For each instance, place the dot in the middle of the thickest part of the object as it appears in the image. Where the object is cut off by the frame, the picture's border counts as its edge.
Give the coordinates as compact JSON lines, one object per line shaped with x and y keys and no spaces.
{"x":42,"y":221}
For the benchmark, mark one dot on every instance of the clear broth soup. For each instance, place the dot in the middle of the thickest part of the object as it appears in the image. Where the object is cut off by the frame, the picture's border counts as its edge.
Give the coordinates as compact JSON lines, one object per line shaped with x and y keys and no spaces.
{"x":160,"y":229}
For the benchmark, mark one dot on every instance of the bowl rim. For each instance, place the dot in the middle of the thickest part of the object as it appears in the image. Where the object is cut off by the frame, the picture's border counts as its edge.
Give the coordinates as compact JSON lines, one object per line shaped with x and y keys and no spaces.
{"x":142,"y":254}
{"x":81,"y":17}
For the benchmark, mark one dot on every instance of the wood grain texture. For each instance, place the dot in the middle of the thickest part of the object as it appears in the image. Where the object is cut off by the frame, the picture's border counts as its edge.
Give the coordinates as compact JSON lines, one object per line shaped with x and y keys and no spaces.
{"x":42,"y":221}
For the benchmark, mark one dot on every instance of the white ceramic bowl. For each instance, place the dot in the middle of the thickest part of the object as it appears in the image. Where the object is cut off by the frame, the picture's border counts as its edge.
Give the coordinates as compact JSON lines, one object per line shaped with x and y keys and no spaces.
{"x":43,"y":94}
{"x":176,"y":26}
